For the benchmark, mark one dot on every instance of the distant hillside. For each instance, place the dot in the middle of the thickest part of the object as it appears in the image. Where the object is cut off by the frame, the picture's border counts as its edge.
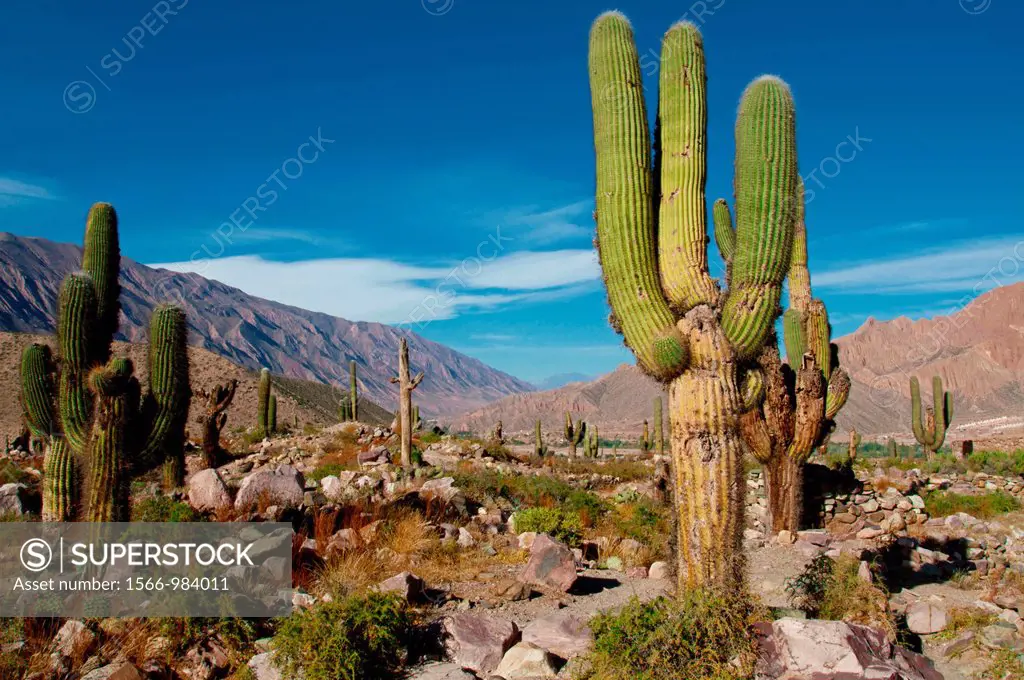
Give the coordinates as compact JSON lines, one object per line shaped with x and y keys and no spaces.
{"x":979,"y":352}
{"x":294,"y":397}
{"x":251,"y":331}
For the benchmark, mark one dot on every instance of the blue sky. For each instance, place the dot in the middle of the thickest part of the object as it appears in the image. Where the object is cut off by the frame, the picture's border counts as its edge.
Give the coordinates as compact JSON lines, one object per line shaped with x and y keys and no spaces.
{"x":446,"y":172}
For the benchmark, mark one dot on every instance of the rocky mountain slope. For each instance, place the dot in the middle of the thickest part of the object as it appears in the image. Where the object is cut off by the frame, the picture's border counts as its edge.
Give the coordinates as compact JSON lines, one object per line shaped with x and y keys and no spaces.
{"x":251,"y":331}
{"x":978,"y":351}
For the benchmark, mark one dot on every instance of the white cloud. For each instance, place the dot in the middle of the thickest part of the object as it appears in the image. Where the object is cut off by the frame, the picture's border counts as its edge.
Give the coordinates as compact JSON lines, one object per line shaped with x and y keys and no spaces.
{"x":12,"y":191}
{"x":257,"y":234}
{"x":543,"y":227}
{"x":973,"y":266}
{"x":368,"y":289}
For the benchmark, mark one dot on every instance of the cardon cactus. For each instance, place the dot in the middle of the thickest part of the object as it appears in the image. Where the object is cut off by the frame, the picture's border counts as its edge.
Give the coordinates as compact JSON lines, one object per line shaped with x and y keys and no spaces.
{"x":645,"y":439}
{"x":353,"y":390}
{"x":794,"y":404}
{"x":854,"y":444}
{"x":659,"y":427}
{"x":574,"y":434}
{"x":263,"y":403}
{"x":652,"y":241}
{"x":891,"y":448}
{"x":930,"y":433}
{"x":406,"y":384}
{"x":272,"y":414}
{"x":539,"y":449}
{"x":88,"y":408}
{"x":217,"y":402}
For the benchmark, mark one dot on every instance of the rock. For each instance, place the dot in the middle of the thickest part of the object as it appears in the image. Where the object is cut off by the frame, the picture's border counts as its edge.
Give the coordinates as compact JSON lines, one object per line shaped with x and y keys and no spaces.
{"x":659,"y":570}
{"x":526,"y":661}
{"x":794,"y":649}
{"x":443,"y":488}
{"x":74,"y":640}
{"x":511,"y":590}
{"x":870,"y":505}
{"x":207,"y":491}
{"x":526,"y":539}
{"x":562,"y":633}
{"x":478,"y":641}
{"x":465,"y":539}
{"x":114,"y":671}
{"x":262,"y":666}
{"x":13,"y":498}
{"x":283,"y":486}
{"x":916,"y":502}
{"x":339,"y":487}
{"x":408,"y":586}
{"x":636,"y":573}
{"x":785,"y":537}
{"x":925,"y":618}
{"x":864,"y":572}
{"x":551,"y":565}
{"x":816,"y":538}
{"x":629,"y":547}
{"x":440,"y":671}
{"x":867,"y":533}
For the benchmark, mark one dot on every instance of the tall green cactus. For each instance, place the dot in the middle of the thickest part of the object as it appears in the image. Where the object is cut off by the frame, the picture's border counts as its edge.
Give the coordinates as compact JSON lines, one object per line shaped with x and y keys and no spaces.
{"x":263,"y":403}
{"x":659,"y":427}
{"x":930,"y":432}
{"x":272,"y":414}
{"x":794,"y":409}
{"x":353,"y":390}
{"x":682,"y":329}
{"x":539,"y":449}
{"x":87,"y":407}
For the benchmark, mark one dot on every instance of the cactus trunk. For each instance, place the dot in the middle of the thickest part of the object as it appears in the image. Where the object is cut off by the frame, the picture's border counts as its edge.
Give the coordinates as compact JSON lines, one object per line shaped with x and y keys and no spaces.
{"x":659,"y":427}
{"x":217,"y":403}
{"x":406,"y":385}
{"x":353,"y":391}
{"x":59,"y":482}
{"x":263,"y":403}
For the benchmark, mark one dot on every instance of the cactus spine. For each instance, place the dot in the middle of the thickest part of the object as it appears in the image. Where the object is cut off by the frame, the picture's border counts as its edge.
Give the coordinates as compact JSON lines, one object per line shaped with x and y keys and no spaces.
{"x":406,"y":384}
{"x":353,"y":390}
{"x":87,"y":408}
{"x":931,"y":432}
{"x":681,"y":328}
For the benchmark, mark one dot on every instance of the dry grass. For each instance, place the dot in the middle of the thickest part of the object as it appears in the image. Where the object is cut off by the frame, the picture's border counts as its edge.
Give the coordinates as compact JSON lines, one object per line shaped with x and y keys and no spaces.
{"x":963,"y":620}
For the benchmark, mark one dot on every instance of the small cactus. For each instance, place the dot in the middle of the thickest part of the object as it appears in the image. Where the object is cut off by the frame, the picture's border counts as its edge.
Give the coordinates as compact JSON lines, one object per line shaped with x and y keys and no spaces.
{"x":855,"y":440}
{"x":931,"y":432}
{"x":891,"y":448}
{"x":645,"y":439}
{"x":574,"y":434}
{"x":539,"y":449}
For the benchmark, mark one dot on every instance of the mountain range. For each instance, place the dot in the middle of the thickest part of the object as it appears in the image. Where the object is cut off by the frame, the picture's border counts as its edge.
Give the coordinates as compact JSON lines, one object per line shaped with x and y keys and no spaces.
{"x":251,"y":331}
{"x":978,"y":351}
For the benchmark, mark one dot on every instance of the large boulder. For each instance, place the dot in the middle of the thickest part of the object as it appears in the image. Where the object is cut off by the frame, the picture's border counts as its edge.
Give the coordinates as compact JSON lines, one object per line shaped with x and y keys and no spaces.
{"x":263,"y":667}
{"x":74,"y":640}
{"x":562,"y":633}
{"x":440,"y":671}
{"x":13,"y":499}
{"x":551,"y":565}
{"x":283,"y":487}
{"x":406,"y":585}
{"x":478,"y":641}
{"x":799,"y":649}
{"x":340,"y":487}
{"x":207,"y":491}
{"x":526,"y":660}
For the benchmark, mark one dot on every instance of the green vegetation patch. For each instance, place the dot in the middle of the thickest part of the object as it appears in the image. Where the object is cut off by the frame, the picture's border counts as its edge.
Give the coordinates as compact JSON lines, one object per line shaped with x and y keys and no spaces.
{"x":982,"y":506}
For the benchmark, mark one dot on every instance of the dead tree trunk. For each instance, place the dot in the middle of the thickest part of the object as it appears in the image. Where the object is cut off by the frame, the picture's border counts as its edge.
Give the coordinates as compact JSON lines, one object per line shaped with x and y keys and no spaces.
{"x":406,"y":385}
{"x":213,"y":422}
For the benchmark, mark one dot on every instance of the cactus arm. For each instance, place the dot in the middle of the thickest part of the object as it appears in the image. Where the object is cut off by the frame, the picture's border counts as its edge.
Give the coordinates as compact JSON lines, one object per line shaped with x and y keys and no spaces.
{"x":838,"y":393}
{"x":165,"y":408}
{"x":101,"y":260}
{"x":76,"y":318}
{"x":799,"y":275}
{"x":809,"y":399}
{"x":624,"y":198}
{"x":568,"y":427}
{"x":765,"y":185}
{"x":116,"y":393}
{"x":38,"y":387}
{"x":725,"y":234}
{"x":948,"y":410}
{"x":752,"y":389}
{"x":793,"y":336}
{"x":682,"y":220}
{"x":939,"y":408}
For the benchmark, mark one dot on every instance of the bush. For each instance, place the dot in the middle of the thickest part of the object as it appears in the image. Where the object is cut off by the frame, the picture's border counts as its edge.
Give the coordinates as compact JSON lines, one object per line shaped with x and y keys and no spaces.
{"x":833,"y":590}
{"x":695,"y":638}
{"x":164,"y":509}
{"x":997,"y":462}
{"x":521,"y":490}
{"x":358,"y":638}
{"x":326,"y":470}
{"x":982,"y":506}
{"x":560,"y":524}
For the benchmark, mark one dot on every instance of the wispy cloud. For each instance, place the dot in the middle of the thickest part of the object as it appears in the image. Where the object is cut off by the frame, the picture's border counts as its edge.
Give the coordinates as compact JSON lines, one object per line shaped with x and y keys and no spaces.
{"x":14,"y":191}
{"x":268,"y":235}
{"x":546,"y":226}
{"x":492,"y":337}
{"x":371,"y":289}
{"x":974,"y":266}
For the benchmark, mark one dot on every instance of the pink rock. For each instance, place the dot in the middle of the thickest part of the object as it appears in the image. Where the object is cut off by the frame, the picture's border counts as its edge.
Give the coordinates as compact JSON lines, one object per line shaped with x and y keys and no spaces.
{"x":551,"y":565}
{"x":562,"y":633}
{"x":478,"y":641}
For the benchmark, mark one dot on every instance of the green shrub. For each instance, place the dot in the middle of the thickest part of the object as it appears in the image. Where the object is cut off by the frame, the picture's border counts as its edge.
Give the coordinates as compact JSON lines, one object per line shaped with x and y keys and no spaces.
{"x":560,"y":524}
{"x":164,"y":509}
{"x":589,"y":506}
{"x":13,"y":664}
{"x":982,"y":506}
{"x":833,"y":590}
{"x":358,"y":638}
{"x":997,"y":462}
{"x":521,"y":490}
{"x":694,"y":638}
{"x":326,"y":470}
